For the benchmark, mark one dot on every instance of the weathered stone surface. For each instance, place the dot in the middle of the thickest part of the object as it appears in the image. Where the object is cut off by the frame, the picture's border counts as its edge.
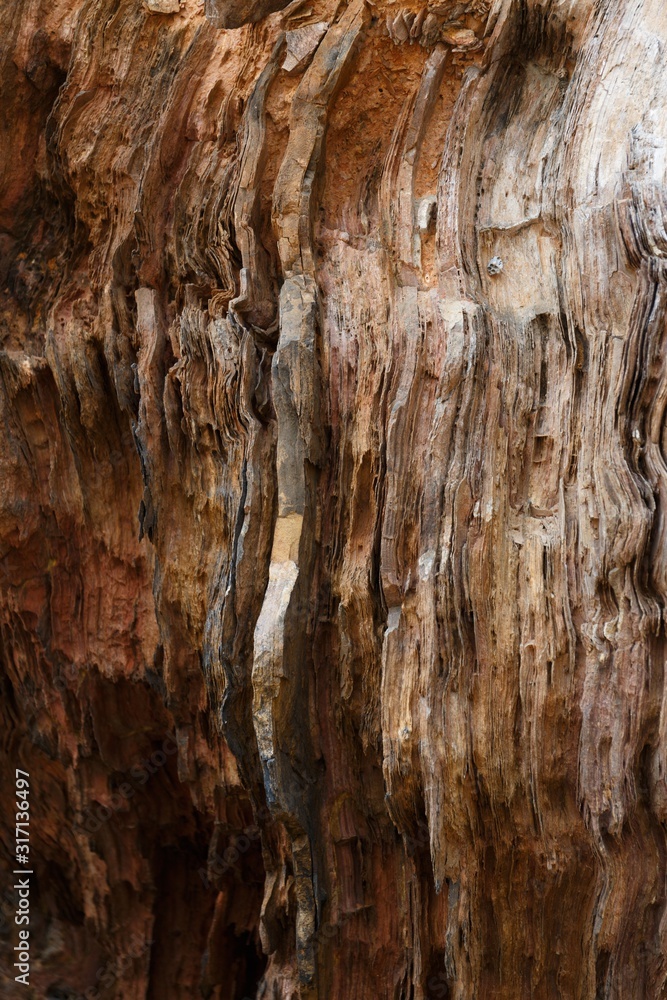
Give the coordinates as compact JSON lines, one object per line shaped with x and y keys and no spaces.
{"x":163,"y":6}
{"x":332,"y":532}
{"x":236,"y":13}
{"x":300,"y":44}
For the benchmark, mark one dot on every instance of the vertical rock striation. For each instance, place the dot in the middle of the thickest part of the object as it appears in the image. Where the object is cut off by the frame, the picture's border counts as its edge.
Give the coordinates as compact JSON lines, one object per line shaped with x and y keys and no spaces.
{"x":333,"y":562}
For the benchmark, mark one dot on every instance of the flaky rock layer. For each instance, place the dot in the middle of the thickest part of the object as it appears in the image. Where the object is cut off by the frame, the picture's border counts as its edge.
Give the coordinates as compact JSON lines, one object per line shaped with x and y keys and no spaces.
{"x":333,"y":557}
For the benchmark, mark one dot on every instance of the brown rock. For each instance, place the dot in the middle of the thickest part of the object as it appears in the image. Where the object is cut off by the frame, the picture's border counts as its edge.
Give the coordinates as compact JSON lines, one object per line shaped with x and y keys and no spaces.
{"x":163,"y":6}
{"x":332,"y":541}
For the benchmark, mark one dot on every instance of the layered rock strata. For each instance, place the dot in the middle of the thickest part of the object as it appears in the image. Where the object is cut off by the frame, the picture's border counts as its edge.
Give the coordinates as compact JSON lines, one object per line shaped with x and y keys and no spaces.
{"x":332,"y":533}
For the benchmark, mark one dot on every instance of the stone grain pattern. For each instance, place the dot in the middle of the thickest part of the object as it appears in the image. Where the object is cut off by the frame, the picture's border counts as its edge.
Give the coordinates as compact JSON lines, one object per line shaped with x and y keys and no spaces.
{"x":333,"y":493}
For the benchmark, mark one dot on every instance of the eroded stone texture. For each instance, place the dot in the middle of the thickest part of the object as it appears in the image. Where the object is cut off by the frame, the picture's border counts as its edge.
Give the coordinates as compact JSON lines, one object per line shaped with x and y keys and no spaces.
{"x":332,"y":497}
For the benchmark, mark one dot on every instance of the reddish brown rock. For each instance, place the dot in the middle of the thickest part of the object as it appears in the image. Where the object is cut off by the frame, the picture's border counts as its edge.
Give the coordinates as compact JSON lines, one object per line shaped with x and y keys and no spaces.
{"x":332,"y":560}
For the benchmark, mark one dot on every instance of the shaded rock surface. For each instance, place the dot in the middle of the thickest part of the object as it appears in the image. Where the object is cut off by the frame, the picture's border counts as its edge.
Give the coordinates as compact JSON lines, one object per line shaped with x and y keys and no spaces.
{"x":332,"y":534}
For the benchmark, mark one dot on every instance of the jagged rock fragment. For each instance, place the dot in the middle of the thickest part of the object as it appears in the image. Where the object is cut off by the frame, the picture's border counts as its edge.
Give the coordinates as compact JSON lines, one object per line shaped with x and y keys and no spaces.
{"x":163,"y":6}
{"x":301,"y":43}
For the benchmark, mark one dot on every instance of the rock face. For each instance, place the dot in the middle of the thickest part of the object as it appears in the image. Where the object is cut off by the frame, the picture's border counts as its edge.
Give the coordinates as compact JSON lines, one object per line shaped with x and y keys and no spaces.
{"x":333,"y":483}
